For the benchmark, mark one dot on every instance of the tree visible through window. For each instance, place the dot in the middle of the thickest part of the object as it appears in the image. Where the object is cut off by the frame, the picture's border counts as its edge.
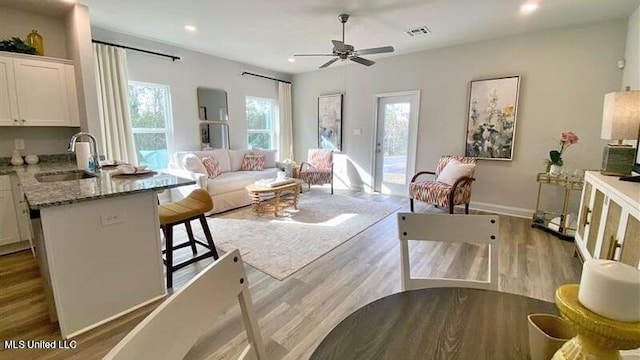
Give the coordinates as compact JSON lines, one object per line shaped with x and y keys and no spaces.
{"x":261,"y":123}
{"x":150,"y":111}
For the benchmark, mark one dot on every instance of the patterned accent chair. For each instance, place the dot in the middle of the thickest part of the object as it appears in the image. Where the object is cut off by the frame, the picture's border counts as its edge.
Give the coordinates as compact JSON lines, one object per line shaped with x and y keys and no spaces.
{"x":442,"y":194}
{"x":318,"y":169}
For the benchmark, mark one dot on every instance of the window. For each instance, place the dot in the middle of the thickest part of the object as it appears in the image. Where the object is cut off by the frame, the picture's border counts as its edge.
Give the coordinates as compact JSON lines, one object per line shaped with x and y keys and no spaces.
{"x":261,"y":123}
{"x":150,"y":110}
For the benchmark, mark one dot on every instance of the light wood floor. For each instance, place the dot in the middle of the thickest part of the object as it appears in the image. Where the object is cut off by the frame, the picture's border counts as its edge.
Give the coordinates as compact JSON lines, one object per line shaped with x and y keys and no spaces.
{"x":295,"y":314}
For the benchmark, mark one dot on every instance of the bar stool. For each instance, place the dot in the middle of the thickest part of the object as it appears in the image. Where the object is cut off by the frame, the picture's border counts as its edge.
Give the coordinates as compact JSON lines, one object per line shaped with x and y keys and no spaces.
{"x":194,"y":206}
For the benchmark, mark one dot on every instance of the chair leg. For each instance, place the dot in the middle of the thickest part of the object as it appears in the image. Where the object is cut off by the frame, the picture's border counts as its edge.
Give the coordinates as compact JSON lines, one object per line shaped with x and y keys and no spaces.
{"x":192,"y":240}
{"x":466,"y":208}
{"x":168,"y":240}
{"x":451,"y":208}
{"x":411,"y":203}
{"x":207,"y":233}
{"x":331,"y":187}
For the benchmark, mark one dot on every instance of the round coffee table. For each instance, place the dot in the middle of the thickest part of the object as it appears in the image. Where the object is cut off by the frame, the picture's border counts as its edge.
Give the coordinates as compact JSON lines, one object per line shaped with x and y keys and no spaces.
{"x":267,"y":199}
{"x":437,"y":323}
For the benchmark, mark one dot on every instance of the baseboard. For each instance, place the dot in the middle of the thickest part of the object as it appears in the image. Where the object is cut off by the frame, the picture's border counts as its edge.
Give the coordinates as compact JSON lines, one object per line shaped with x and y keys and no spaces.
{"x":502,"y":210}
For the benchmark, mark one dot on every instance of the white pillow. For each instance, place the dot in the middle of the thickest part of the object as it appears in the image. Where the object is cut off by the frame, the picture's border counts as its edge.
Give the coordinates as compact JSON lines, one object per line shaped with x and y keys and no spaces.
{"x":194,"y":164}
{"x":454,"y":171}
{"x":269,"y":157}
{"x":236,"y":157}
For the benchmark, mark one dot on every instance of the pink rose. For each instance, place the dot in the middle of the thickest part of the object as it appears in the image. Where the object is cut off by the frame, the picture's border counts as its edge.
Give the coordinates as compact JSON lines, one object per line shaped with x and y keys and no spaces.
{"x":569,"y":138}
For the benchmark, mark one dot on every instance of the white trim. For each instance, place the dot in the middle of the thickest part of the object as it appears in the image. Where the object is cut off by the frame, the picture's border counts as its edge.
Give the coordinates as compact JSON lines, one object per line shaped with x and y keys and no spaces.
{"x":502,"y":210}
{"x":99,"y":323}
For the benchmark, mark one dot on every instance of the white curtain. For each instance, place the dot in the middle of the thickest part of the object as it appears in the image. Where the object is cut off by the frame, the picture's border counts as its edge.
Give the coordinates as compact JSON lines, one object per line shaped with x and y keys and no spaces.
{"x":113,"y":104}
{"x":285,"y":140}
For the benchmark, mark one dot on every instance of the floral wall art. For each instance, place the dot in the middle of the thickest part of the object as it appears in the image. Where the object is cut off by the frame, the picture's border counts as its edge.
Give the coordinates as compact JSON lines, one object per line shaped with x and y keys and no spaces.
{"x":330,"y":122}
{"x":491,"y":126}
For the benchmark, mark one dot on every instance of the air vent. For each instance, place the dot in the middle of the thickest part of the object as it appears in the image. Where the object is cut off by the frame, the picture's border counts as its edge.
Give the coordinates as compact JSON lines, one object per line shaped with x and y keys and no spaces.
{"x":422,"y":30}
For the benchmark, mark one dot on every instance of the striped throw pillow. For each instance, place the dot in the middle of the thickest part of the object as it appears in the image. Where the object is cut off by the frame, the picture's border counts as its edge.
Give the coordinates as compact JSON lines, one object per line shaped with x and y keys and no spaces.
{"x":252,"y":162}
{"x":212,"y":165}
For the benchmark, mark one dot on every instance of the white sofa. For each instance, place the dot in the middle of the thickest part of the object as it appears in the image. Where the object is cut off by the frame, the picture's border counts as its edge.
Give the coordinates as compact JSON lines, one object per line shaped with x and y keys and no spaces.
{"x":227,"y":190}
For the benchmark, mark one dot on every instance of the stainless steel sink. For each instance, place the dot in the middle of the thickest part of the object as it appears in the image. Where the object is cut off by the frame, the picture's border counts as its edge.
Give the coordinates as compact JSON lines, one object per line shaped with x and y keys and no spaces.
{"x":64,"y":176}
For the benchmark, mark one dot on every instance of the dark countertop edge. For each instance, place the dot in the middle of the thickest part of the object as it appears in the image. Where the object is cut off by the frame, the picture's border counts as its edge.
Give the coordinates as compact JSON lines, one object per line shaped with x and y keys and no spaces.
{"x":98,"y":197}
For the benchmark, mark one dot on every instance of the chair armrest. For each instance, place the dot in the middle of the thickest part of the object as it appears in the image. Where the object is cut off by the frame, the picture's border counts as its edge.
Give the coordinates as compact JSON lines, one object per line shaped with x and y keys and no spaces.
{"x":462,"y":182}
{"x":201,"y":179}
{"x":413,"y":179}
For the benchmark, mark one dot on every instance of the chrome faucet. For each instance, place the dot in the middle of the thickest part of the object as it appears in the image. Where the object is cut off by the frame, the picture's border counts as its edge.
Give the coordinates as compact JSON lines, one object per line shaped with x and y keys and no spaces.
{"x":94,"y":148}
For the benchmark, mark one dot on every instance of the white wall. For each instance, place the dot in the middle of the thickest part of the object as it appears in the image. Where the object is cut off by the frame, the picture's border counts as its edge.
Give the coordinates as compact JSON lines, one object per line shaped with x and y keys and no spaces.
{"x":185,"y":76}
{"x":631,"y":75}
{"x":565,"y":74}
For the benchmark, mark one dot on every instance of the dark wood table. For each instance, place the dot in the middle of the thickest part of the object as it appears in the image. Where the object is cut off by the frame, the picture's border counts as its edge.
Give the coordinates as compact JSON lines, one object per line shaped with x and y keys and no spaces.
{"x":438,"y":323}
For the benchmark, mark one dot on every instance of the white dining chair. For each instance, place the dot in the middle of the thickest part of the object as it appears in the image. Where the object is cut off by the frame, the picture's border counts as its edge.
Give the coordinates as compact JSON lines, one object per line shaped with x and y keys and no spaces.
{"x":472,"y":229}
{"x":172,"y":329}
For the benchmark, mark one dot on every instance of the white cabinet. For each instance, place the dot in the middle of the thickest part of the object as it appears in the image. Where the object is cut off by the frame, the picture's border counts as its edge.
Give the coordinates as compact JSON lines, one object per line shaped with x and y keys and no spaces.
{"x":609,"y":220}
{"x":35,"y":92}
{"x":9,"y":232}
{"x":15,"y":224}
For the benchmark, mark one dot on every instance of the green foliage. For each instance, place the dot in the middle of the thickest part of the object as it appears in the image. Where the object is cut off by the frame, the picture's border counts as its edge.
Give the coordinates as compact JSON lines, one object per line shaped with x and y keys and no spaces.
{"x":556,"y":157}
{"x":259,"y":123}
{"x":396,"y":129}
{"x":15,"y":44}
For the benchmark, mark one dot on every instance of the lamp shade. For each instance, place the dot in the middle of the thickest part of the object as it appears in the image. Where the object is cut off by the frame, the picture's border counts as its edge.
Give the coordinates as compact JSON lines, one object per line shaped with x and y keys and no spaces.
{"x":621,"y":115}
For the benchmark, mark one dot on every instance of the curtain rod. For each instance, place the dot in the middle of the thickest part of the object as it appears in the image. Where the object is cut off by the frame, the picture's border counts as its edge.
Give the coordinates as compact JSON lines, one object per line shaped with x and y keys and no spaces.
{"x":265,"y":77}
{"x":172,"y":57}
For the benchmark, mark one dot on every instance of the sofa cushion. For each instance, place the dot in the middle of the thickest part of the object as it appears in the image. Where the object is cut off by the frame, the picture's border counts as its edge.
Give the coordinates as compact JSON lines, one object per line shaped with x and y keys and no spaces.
{"x":269,"y":157}
{"x":252,"y":162}
{"x":193,"y":163}
{"x":212,"y":165}
{"x":221,"y":155}
{"x":237,"y":180}
{"x":236,"y":157}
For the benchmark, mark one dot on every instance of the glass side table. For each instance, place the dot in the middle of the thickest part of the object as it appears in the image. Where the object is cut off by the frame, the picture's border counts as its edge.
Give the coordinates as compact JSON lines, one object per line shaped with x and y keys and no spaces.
{"x":544,"y":219}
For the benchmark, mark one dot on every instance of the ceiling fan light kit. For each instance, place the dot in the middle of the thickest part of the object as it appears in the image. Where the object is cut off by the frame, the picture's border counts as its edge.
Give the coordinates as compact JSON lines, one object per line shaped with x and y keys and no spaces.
{"x":343,"y":51}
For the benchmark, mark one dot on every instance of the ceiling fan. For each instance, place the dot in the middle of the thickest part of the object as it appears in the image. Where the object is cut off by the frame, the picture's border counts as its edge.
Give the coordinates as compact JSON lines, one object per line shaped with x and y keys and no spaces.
{"x":343,"y":51}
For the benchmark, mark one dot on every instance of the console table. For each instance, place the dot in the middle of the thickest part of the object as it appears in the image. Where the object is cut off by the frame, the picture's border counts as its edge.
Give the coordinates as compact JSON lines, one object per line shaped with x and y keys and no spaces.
{"x":609,"y":220}
{"x":436,"y":323}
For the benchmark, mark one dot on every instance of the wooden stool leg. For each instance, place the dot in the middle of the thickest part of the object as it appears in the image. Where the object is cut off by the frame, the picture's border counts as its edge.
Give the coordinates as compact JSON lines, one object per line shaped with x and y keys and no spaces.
{"x":207,"y":233}
{"x":168,"y":239}
{"x":192,"y":241}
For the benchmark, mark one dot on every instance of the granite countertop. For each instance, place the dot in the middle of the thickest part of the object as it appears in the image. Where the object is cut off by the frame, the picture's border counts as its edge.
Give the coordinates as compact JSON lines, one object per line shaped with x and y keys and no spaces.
{"x":46,"y":194}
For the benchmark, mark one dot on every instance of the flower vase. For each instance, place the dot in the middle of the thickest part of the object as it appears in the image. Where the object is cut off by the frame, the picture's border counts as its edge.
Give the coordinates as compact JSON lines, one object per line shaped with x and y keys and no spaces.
{"x":555,"y":170}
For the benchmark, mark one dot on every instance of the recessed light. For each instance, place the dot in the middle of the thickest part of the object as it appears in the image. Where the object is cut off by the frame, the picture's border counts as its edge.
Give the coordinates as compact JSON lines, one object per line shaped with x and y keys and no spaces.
{"x":529,"y":7}
{"x":190,"y":28}
{"x":291,"y":59}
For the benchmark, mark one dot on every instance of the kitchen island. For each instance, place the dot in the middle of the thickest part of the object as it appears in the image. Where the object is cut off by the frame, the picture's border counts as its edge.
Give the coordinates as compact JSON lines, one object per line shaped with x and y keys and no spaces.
{"x":97,"y":242}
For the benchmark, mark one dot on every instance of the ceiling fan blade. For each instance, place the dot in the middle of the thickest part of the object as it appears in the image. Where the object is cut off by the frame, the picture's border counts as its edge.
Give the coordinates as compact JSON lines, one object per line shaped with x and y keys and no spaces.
{"x":378,"y":50}
{"x":338,"y":45}
{"x":362,"y":61}
{"x":313,"y":55}
{"x":328,"y":63}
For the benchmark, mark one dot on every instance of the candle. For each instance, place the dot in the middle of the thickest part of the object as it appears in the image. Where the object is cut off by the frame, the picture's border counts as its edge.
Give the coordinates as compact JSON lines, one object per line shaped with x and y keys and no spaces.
{"x":611,"y":289}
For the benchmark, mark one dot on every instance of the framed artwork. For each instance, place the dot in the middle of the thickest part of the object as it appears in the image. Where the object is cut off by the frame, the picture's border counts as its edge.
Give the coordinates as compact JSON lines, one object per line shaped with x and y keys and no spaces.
{"x":330,"y":122}
{"x":491,"y":122}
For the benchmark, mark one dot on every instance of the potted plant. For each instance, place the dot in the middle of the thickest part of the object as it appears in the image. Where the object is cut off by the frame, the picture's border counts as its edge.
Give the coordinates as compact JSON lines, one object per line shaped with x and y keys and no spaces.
{"x":555,"y":161}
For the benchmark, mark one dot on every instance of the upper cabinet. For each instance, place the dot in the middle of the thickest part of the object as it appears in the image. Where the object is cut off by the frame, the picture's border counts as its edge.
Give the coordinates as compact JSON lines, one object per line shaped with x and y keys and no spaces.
{"x":35,"y":92}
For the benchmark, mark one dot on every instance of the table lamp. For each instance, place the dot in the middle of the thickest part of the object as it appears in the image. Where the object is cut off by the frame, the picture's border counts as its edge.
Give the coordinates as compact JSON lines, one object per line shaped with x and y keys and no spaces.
{"x":620,"y":121}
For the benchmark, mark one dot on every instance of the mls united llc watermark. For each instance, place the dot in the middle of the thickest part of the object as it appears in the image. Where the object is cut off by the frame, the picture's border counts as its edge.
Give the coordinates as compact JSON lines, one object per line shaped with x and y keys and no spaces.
{"x":39,"y":344}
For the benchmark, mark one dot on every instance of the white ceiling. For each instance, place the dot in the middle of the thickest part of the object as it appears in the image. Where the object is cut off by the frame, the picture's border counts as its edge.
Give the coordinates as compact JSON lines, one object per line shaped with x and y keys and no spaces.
{"x":266,"y":32}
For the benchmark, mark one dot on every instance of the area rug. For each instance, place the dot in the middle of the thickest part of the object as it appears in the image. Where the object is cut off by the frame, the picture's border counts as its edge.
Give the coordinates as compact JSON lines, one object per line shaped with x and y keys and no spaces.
{"x":283,"y":245}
